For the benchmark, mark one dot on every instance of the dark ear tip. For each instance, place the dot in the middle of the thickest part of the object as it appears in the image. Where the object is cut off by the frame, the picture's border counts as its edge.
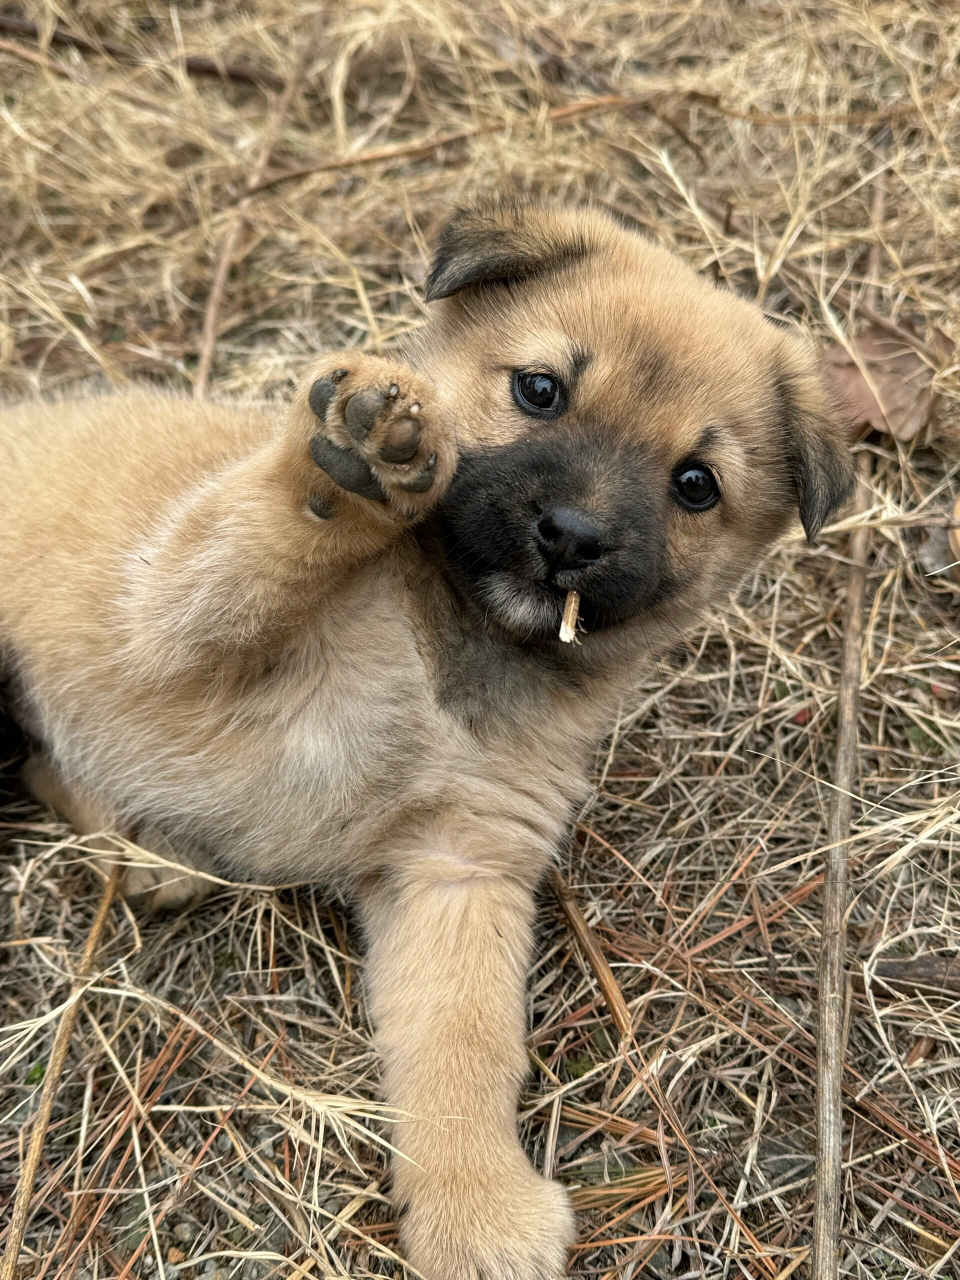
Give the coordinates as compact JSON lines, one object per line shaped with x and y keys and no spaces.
{"x":432,"y":291}
{"x":831,"y":491}
{"x":442,"y":279}
{"x":812,"y":532}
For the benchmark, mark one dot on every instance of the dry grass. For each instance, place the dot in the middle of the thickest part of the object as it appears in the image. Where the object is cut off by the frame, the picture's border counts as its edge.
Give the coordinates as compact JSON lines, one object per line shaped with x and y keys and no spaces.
{"x":217,"y":1115}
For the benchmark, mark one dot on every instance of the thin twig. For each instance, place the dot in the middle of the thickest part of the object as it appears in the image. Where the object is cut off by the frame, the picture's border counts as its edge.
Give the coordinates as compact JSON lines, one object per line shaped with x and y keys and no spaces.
{"x":609,"y":987}
{"x":589,"y":107}
{"x":228,"y":253}
{"x":51,"y":1082}
{"x":882,"y":1112}
{"x":194,"y":64}
{"x":826,"y":1219}
{"x":151,"y":1090}
{"x":825,"y":1251}
{"x":413,"y":150}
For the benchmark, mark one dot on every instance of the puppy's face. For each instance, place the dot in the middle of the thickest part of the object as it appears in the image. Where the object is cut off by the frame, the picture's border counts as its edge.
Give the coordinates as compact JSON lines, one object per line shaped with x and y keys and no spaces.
{"x":627,"y":429}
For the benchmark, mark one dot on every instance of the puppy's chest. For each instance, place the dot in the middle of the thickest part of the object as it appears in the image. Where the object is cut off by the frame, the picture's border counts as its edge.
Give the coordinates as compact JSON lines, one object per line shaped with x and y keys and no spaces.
{"x":345,"y":734}
{"x":341,"y":729}
{"x":299,"y":764}
{"x":352,"y":714}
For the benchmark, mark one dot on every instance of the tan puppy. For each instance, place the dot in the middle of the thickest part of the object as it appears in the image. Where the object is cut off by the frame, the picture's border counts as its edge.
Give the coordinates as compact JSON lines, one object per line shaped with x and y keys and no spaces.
{"x":326,"y":647}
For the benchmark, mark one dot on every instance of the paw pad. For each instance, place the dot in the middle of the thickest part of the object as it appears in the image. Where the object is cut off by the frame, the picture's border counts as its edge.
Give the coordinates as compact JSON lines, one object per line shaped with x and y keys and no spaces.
{"x":322,"y":393}
{"x":346,"y":469}
{"x":375,"y":440}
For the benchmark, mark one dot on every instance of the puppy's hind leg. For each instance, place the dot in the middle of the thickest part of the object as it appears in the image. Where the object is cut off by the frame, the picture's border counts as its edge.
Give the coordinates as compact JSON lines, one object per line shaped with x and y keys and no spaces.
{"x":146,"y":885}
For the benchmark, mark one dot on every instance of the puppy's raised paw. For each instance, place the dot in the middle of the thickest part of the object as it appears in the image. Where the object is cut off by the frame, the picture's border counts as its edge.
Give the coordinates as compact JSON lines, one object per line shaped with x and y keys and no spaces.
{"x":378,"y":433}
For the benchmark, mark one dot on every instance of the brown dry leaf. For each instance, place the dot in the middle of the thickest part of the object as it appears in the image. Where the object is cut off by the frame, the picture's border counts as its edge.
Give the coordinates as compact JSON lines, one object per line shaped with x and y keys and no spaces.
{"x":895,"y":396}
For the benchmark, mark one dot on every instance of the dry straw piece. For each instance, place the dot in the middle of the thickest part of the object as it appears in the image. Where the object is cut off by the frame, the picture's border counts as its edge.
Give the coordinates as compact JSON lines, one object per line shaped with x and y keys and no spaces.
{"x":218,"y":1092}
{"x":571,"y":616}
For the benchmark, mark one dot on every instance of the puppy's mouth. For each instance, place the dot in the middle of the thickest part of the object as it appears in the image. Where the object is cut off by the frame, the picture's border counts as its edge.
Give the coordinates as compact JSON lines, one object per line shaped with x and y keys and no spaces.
{"x":531,"y":605}
{"x":525,"y":523}
{"x":521,"y":604}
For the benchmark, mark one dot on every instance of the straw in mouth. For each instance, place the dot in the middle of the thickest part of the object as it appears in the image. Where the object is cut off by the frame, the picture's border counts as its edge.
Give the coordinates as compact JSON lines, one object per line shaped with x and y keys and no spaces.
{"x":571,"y":614}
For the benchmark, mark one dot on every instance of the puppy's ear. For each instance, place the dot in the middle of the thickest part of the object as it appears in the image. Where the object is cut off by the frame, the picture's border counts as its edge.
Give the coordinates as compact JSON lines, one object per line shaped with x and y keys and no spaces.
{"x":501,"y":241}
{"x":819,"y":458}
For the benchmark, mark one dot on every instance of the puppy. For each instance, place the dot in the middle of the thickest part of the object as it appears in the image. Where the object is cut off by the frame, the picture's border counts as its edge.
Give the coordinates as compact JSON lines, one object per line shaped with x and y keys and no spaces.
{"x":324,"y":646}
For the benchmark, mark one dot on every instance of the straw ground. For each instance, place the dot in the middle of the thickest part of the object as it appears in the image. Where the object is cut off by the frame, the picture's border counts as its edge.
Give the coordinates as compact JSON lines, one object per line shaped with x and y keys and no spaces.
{"x":213,"y":222}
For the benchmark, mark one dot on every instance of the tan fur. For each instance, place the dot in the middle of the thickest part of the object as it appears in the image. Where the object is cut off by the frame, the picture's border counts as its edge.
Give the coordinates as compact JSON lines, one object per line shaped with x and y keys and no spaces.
{"x":201,"y":660}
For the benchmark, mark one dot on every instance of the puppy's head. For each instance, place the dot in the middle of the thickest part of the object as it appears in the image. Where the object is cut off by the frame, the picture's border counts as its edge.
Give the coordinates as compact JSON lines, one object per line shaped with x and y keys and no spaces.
{"x":627,"y":429}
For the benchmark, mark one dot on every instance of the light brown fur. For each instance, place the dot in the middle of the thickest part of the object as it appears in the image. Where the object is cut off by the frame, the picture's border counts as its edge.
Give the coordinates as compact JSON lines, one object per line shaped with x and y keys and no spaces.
{"x":203,"y":661}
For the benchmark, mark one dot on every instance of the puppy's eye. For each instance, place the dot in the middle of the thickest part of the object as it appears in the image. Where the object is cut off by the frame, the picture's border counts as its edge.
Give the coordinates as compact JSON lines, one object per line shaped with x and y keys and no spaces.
{"x":695,"y":486}
{"x":539,"y":394}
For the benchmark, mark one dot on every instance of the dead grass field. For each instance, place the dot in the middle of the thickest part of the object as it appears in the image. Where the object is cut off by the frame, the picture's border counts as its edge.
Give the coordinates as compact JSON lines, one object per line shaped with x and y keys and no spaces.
{"x":218,"y":1113}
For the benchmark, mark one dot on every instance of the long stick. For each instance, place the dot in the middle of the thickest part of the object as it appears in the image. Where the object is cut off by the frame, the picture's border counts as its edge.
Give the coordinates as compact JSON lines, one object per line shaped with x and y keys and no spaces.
{"x":411,"y":150}
{"x":51,"y":1083}
{"x":592,"y":107}
{"x":826,"y":1212}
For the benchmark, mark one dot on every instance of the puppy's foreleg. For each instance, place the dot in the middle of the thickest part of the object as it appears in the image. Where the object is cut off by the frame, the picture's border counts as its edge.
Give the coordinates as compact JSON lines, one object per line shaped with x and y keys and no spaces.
{"x":248,"y":554}
{"x":449,"y":950}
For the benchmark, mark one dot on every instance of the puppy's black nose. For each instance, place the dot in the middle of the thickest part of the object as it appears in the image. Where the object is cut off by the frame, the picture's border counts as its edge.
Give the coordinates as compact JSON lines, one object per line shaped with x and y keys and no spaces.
{"x":567,"y":538}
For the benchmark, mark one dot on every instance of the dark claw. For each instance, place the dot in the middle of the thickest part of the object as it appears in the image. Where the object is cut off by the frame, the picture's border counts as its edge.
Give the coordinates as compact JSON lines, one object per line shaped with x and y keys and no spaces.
{"x":321,"y":395}
{"x":346,"y":469}
{"x":422,"y":482}
{"x":360,"y":415}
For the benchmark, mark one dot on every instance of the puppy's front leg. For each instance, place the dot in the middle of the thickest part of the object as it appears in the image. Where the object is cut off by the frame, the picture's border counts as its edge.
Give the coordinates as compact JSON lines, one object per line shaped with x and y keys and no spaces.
{"x":250,"y":552}
{"x":448,"y":956}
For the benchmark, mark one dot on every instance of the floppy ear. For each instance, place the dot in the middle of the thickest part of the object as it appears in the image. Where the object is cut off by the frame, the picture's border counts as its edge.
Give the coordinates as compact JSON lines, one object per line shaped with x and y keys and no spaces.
{"x":821,"y":465}
{"x":504,"y":240}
